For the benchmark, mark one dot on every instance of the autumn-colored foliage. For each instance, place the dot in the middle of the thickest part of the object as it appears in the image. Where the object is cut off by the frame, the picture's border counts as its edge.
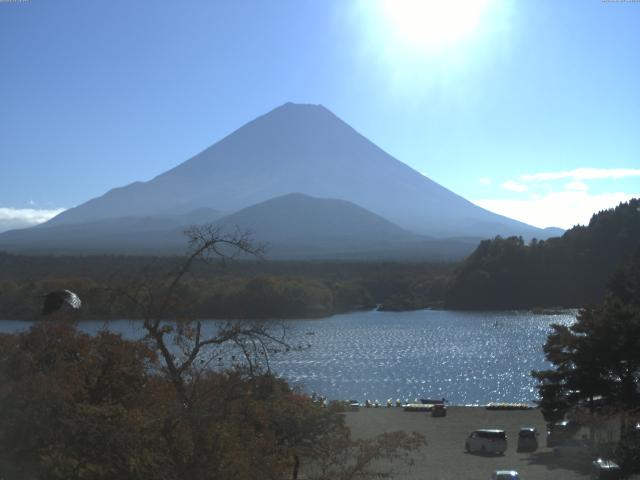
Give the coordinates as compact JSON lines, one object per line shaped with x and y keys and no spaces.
{"x":76,"y":406}
{"x":81,"y":407}
{"x":86,"y":407}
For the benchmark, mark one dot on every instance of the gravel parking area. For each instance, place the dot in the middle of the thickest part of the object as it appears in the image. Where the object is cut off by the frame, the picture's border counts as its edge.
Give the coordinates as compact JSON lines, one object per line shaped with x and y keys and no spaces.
{"x":444,"y":457}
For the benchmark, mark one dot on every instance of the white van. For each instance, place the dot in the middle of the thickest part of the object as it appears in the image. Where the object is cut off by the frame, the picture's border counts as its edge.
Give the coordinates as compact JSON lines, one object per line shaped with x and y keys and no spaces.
{"x":486,"y":441}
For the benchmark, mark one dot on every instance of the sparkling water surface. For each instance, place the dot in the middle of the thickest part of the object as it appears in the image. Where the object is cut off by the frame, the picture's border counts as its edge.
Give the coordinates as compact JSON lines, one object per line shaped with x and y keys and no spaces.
{"x":465,"y":357}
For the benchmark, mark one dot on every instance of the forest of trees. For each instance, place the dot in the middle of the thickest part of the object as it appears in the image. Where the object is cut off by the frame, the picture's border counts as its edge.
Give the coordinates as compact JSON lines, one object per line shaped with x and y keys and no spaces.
{"x":569,"y":271}
{"x":82,"y":407}
{"x":503,"y":273}
{"x":239,"y":289}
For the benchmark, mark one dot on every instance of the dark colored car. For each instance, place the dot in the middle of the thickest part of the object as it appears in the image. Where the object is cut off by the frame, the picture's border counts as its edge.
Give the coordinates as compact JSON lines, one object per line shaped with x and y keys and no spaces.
{"x":560,"y":432}
{"x":527,"y":439}
{"x":439,"y":410}
{"x":605,"y":470}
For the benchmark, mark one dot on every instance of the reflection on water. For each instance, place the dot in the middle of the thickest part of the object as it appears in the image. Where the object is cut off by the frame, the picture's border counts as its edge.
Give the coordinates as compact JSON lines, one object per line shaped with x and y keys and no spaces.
{"x":465,"y":357}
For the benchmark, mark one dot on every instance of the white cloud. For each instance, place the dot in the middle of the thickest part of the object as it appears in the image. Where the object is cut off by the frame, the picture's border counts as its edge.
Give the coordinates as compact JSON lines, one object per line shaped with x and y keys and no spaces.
{"x":557,"y":209}
{"x":576,"y":185}
{"x":514,"y":186}
{"x":11,"y":218}
{"x":583,"y":174}
{"x":485,"y":181}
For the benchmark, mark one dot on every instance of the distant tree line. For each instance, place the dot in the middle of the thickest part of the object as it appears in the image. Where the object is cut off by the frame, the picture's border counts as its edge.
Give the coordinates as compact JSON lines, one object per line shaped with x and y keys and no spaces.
{"x":503,"y":273}
{"x":569,"y":271}
{"x":240,"y":289}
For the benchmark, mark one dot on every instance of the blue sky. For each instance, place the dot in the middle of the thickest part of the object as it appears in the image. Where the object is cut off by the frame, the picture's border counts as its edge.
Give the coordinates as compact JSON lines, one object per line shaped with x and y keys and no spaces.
{"x":529,"y":108}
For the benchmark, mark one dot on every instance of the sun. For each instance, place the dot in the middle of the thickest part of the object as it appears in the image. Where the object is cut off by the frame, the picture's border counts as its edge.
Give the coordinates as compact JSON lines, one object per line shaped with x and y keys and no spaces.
{"x":418,"y":47}
{"x":431,"y":26}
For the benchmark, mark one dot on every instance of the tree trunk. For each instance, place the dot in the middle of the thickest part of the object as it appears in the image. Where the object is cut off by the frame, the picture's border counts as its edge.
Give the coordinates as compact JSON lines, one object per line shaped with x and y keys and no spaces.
{"x":296,"y":466}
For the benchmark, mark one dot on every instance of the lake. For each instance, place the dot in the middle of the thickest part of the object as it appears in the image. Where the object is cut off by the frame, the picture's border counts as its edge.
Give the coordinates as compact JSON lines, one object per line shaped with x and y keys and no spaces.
{"x":465,"y":357}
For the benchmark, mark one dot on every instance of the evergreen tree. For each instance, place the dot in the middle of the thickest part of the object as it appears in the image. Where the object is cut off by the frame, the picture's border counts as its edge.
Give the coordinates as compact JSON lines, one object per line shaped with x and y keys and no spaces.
{"x":597,"y":356}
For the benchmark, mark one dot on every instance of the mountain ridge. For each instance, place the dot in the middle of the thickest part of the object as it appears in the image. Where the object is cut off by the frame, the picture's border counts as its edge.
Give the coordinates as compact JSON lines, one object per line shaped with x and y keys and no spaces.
{"x":294,"y":149}
{"x":293,"y":226}
{"x":306,"y":149}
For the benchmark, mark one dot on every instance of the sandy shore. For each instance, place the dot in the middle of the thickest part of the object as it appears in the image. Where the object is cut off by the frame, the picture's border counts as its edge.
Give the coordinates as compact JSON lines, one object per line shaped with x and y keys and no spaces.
{"x":444,"y":457}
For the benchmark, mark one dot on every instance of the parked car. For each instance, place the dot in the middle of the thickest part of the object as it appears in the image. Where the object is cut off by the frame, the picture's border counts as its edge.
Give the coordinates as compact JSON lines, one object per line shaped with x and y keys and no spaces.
{"x":527,"y":439}
{"x":560,"y":431}
{"x":605,"y":470}
{"x":573,"y":448}
{"x":439,"y":410}
{"x":505,"y":475}
{"x":354,"y":405}
{"x":486,"y":441}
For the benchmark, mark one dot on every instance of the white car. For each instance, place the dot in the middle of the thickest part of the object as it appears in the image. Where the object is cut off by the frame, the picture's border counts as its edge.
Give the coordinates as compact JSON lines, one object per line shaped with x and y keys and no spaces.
{"x":486,"y":440}
{"x":505,"y":475}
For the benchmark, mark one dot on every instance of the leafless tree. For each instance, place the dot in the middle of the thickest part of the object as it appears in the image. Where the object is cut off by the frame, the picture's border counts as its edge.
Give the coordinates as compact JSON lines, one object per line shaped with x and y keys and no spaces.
{"x":181,"y":341}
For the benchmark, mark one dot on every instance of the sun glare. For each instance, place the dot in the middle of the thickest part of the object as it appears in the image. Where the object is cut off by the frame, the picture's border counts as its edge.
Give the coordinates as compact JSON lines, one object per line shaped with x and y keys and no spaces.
{"x":431,"y":25}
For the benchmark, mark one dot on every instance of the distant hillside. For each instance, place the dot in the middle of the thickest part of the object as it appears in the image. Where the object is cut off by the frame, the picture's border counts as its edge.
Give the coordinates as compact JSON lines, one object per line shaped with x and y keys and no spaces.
{"x":129,"y":235}
{"x":293,"y":226}
{"x":297,"y":217}
{"x":297,"y":225}
{"x":572,"y":270}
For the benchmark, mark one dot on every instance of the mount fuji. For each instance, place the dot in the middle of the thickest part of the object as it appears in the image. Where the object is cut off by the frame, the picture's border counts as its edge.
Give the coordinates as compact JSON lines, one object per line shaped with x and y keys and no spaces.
{"x":294,"y":149}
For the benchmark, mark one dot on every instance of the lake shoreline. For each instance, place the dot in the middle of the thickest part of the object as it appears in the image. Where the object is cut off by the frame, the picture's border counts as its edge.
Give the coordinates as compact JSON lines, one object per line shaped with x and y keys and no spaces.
{"x":535,"y":311}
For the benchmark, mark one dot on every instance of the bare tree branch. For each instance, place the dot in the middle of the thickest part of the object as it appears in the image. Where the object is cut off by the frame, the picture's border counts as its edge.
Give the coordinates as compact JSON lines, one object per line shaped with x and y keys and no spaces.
{"x":205,"y":242}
